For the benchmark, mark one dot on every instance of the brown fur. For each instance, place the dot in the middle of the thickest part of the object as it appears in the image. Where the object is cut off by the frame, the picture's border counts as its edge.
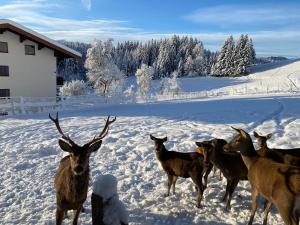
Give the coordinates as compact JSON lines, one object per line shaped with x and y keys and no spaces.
{"x":272,"y":180}
{"x":275,"y":153}
{"x":231,"y":165}
{"x":177,"y":164}
{"x":72,"y":177}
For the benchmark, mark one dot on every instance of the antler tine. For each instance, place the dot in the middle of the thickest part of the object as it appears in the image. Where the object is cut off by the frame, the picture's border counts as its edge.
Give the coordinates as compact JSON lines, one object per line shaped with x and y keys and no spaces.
{"x":104,"y":132}
{"x":56,"y":122}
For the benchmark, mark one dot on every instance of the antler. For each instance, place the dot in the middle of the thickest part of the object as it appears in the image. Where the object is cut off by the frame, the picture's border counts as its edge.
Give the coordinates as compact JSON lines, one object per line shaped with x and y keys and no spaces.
{"x":104,"y":131}
{"x":56,"y":122}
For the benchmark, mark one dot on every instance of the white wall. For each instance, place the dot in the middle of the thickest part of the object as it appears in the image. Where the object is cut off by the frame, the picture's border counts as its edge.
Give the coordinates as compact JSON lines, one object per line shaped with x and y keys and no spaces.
{"x":29,"y":75}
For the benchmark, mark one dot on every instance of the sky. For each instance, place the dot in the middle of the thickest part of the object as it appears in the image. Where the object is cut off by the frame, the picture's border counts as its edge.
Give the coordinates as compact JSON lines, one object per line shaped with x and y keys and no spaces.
{"x":273,"y":25}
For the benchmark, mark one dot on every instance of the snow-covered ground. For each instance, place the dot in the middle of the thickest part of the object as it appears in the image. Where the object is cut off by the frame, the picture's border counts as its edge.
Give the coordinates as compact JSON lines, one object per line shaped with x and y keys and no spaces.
{"x":30,"y":155}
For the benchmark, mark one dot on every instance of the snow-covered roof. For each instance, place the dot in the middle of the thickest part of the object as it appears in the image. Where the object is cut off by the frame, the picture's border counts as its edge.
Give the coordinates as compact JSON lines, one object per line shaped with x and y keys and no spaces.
{"x":27,"y":33}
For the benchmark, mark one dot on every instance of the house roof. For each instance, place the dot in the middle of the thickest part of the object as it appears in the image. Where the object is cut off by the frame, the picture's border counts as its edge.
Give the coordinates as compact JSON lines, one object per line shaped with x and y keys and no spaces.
{"x":60,"y":50}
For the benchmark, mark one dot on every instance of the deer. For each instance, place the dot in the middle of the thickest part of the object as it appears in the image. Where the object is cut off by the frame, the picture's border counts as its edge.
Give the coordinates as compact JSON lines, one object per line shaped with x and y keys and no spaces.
{"x":207,"y":167}
{"x":278,"y":183}
{"x":178,"y":164}
{"x":262,"y":144}
{"x":231,"y":165}
{"x":72,"y":176}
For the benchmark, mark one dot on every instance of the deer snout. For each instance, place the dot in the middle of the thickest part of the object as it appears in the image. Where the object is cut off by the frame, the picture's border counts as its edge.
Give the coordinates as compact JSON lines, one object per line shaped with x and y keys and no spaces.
{"x":78,"y":169}
{"x":226,"y":148}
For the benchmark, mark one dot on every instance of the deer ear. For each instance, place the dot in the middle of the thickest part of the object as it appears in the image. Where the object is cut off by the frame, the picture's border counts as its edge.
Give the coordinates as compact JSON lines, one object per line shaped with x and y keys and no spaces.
{"x":269,"y":136}
{"x":151,"y":137}
{"x":94,"y":146}
{"x":199,"y":144}
{"x":243,"y":133}
{"x":165,"y":139}
{"x":255,"y":134}
{"x":237,"y":130}
{"x":65,"y":145}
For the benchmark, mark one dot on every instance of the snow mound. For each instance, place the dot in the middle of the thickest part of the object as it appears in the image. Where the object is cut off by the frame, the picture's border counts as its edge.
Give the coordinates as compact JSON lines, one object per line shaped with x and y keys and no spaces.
{"x":115,"y":212}
{"x":105,"y":186}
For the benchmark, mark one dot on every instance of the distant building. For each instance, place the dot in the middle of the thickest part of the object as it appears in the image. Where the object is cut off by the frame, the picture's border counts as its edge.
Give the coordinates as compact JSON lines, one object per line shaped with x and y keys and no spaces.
{"x":28,"y":61}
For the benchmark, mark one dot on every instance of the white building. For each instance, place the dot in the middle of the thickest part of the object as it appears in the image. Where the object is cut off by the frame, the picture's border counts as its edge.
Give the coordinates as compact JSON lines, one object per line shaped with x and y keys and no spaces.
{"x":28,"y":61}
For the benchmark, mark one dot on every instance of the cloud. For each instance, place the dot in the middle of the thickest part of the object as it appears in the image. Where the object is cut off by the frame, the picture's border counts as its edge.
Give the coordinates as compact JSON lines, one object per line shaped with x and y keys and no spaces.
{"x":39,"y":15}
{"x":87,"y":4}
{"x":256,"y":15}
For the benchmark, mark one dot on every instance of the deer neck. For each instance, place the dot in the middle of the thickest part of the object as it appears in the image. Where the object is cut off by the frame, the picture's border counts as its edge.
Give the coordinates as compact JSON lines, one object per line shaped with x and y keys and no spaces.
{"x":161,"y":155}
{"x":249,"y":155}
{"x":80,"y":182}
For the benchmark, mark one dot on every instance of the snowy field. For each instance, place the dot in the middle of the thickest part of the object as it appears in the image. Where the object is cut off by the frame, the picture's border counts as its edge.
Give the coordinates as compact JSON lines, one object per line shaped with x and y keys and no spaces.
{"x":30,"y":155}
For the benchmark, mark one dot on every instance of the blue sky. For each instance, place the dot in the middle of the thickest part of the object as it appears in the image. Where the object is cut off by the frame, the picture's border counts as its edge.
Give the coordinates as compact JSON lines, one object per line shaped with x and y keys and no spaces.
{"x":273,"y":25}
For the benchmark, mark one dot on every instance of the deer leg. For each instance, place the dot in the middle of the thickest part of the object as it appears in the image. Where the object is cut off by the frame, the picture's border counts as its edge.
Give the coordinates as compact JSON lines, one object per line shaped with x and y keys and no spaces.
{"x":255,"y":197}
{"x":232,"y":187}
{"x":75,"y":215}
{"x":174,"y":182}
{"x":197,"y":179}
{"x":207,"y":172}
{"x":287,"y":214}
{"x":170,"y":181}
{"x":227,"y":190}
{"x":266,"y":211}
{"x":60,"y":216}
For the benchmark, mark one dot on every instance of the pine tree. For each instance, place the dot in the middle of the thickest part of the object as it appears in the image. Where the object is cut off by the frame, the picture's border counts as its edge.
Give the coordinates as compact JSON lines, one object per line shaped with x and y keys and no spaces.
{"x":224,"y":64}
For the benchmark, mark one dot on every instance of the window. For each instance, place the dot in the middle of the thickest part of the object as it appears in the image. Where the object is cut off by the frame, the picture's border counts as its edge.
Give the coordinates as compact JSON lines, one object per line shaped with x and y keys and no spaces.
{"x":4,"y":93}
{"x":59,"y":81}
{"x":3,"y":47}
{"x":29,"y":50}
{"x":4,"y":71}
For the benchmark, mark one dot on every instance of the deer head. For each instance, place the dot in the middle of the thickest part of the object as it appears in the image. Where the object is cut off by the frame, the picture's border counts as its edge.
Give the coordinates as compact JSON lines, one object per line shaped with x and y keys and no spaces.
{"x":207,"y":147}
{"x":262,"y":140}
{"x":159,"y":146}
{"x":79,"y":155}
{"x":241,"y":142}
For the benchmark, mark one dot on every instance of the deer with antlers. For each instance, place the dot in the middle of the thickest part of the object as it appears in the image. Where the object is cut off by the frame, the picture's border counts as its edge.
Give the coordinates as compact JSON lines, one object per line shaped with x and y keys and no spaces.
{"x":72,"y":177}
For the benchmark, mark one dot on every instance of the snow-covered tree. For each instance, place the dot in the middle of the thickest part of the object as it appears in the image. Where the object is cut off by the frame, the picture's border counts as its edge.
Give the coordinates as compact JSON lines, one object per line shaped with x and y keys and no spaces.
{"x":144,"y":76}
{"x":170,"y":85}
{"x":244,"y":55}
{"x":73,"y":88}
{"x":225,"y":62}
{"x":102,"y":72}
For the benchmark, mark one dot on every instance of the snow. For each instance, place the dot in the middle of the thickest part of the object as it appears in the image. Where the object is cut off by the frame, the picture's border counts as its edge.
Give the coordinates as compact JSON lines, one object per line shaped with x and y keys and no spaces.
{"x":114,"y":211}
{"x":105,"y":186}
{"x":30,"y":153}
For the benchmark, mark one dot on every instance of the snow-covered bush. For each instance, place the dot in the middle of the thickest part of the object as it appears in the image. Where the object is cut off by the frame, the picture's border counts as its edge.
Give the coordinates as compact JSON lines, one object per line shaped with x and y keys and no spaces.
{"x":102,"y":72}
{"x":144,"y":76}
{"x":114,"y":211}
{"x":73,"y":88}
{"x":170,"y":85}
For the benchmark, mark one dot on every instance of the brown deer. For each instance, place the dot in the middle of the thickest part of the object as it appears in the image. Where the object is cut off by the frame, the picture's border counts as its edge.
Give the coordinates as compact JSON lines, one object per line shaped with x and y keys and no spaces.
{"x":207,"y":167}
{"x":262,"y":144}
{"x":72,"y":177}
{"x":178,"y":164}
{"x":278,"y":183}
{"x":231,"y":165}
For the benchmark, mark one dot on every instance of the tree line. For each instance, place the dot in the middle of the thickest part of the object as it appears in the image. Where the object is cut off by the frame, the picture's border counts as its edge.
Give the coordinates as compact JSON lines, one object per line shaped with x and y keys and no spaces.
{"x":185,"y":55}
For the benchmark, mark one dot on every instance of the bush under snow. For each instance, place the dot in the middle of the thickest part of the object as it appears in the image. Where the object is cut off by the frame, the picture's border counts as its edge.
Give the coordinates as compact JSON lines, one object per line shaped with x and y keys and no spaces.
{"x":73,"y":88}
{"x":115,"y":212}
{"x":170,"y":85}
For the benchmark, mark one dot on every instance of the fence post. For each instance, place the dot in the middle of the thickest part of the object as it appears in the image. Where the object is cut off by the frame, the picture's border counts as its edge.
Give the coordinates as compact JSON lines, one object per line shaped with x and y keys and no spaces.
{"x":22,"y":105}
